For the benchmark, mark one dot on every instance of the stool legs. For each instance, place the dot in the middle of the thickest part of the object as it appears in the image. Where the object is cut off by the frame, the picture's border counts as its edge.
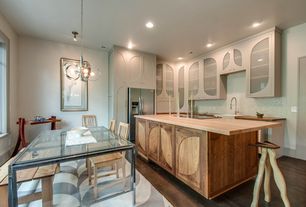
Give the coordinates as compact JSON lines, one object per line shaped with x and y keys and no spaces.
{"x":267,"y":189}
{"x":259,"y":178}
{"x":266,"y":164}
{"x":279,"y":178}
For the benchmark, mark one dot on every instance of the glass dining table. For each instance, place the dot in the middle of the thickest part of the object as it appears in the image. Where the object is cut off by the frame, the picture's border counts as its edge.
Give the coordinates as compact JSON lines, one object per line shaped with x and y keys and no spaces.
{"x":50,"y":147}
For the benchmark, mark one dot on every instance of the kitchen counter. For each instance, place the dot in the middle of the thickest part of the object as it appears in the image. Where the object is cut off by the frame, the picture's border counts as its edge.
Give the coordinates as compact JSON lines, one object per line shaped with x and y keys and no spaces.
{"x":223,"y":126}
{"x":265,"y":118}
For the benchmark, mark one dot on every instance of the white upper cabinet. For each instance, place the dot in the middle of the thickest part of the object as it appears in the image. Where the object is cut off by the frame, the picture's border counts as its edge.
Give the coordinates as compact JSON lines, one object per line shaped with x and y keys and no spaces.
{"x":232,"y":60}
{"x":159,"y":79}
{"x":169,"y":80}
{"x":210,"y":76}
{"x":165,"y":91}
{"x":181,"y":86}
{"x":194,"y":80}
{"x":263,"y":76}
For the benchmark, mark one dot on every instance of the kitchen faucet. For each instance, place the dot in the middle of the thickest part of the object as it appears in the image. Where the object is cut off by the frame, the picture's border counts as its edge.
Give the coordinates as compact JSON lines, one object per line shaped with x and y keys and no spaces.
{"x":231,"y":105}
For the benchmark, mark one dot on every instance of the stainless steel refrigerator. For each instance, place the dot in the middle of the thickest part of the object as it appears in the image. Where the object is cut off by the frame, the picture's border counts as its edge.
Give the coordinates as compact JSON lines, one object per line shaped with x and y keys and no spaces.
{"x":140,"y":102}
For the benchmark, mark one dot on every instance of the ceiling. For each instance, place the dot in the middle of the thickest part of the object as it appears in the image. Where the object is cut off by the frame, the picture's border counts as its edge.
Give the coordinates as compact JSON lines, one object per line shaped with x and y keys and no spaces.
{"x":181,"y":26}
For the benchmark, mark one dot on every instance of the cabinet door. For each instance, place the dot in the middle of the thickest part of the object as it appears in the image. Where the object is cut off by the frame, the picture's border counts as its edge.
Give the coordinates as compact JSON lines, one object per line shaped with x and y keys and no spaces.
{"x":141,"y":137}
{"x":237,"y":57}
{"x":260,"y":66}
{"x":153,"y":139}
{"x":159,"y":79}
{"x":210,"y":77}
{"x":169,"y":80}
{"x":166,"y":153}
{"x":193,"y":87}
{"x":232,"y":61}
{"x":263,"y":76}
{"x":188,"y":159}
{"x":181,"y":86}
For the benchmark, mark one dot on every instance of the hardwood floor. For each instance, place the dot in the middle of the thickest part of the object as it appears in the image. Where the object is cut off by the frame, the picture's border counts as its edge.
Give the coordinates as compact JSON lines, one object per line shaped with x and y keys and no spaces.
{"x":180,"y":195}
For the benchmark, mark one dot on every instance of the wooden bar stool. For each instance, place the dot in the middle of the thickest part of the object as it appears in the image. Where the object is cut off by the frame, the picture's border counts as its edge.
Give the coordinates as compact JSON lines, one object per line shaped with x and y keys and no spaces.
{"x":268,"y":160}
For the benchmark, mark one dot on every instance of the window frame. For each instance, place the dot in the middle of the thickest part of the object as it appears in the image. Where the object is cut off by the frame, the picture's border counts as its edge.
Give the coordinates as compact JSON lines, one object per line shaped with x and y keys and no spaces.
{"x":4,"y":128}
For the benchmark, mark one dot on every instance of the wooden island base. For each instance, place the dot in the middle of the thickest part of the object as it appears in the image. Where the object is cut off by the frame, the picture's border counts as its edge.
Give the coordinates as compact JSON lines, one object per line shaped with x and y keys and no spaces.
{"x":208,"y":162}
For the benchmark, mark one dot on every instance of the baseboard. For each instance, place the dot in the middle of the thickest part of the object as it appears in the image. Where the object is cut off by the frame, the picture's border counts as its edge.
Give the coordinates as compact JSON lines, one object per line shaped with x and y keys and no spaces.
{"x":299,"y":154}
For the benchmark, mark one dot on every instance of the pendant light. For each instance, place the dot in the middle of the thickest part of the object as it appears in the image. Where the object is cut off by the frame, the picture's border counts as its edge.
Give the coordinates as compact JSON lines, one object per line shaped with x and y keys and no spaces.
{"x":84,"y":70}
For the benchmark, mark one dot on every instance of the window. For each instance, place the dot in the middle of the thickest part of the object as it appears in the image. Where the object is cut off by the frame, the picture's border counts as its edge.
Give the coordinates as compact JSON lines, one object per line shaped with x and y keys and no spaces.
{"x":3,"y":83}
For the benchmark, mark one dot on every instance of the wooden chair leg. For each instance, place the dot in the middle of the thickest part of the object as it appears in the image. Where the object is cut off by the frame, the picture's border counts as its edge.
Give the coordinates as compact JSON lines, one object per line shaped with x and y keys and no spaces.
{"x":89,"y":170}
{"x":123,"y":167}
{"x":279,"y":178}
{"x":47,"y":191}
{"x":95,"y":181}
{"x":259,"y":178}
{"x":117,"y":169}
{"x":4,"y":196}
{"x":267,"y":189}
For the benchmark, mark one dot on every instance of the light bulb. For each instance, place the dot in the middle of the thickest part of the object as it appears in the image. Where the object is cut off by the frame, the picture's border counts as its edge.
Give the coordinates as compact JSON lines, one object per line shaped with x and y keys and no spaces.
{"x":130,"y":45}
{"x":149,"y":25}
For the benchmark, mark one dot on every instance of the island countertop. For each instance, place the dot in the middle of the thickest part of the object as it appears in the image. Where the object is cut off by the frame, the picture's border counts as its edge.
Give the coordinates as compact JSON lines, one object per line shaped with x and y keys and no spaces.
{"x":223,"y":126}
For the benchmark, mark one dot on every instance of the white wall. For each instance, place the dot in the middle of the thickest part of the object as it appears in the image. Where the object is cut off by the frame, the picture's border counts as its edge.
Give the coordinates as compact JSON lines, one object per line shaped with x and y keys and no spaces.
{"x":293,"y":47}
{"x":7,"y":142}
{"x":39,"y":83}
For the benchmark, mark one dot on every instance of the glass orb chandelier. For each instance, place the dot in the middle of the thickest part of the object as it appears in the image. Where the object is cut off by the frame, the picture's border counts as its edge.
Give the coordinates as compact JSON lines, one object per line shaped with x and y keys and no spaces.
{"x":83,"y":70}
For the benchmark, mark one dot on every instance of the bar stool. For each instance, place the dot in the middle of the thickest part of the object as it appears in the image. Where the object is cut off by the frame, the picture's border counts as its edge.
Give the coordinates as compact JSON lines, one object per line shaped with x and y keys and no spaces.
{"x":268,"y":160}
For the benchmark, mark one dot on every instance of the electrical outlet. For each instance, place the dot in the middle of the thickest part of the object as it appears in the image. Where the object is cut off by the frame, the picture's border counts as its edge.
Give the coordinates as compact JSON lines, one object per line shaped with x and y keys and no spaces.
{"x":294,"y":109}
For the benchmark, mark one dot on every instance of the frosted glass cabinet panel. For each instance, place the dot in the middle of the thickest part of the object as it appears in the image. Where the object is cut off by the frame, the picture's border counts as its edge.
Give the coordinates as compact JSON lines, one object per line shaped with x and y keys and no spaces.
{"x":232,"y":61}
{"x":226,"y":60}
{"x":264,"y":75}
{"x":169,"y":80}
{"x":210,"y":76}
{"x":237,"y":57}
{"x":259,"y":70}
{"x":159,"y":79}
{"x":181,"y":88}
{"x":193,"y":87}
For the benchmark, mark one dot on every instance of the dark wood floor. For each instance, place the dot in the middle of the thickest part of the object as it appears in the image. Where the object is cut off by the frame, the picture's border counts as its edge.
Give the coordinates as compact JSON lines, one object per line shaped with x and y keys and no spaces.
{"x":180,"y":195}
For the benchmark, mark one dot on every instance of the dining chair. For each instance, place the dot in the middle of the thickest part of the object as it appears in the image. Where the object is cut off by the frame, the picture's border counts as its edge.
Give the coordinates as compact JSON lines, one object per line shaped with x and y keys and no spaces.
{"x":89,"y":121}
{"x":116,"y":159}
{"x":112,"y":126}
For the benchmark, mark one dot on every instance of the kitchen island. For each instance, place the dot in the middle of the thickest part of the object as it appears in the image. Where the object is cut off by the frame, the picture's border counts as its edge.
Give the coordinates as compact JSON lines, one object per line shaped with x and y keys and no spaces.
{"x":211,"y":156}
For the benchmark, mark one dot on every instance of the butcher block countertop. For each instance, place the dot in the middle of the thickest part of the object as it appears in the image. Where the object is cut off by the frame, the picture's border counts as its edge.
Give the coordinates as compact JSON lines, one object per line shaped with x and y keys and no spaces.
{"x":265,"y":118}
{"x":224,"y":126}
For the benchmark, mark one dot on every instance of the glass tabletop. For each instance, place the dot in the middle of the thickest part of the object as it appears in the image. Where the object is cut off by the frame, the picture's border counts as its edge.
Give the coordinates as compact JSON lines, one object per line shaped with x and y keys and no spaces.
{"x":63,"y":144}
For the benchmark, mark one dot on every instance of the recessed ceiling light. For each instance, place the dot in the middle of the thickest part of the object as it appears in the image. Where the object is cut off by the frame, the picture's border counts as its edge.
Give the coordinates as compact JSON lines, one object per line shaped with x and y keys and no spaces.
{"x":209,"y":45}
{"x":149,"y":25}
{"x":180,"y":58}
{"x":256,"y":24}
{"x":259,"y":59}
{"x":130,"y":45}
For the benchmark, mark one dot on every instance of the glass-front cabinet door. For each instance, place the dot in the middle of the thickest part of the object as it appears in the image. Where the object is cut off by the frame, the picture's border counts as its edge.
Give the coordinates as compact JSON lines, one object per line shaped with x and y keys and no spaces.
{"x":181,"y":86}
{"x":259,"y":68}
{"x":263,"y":76}
{"x":159,"y":79}
{"x":169,"y":80}
{"x":232,"y":61}
{"x":193,"y":81}
{"x":210,"y":76}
